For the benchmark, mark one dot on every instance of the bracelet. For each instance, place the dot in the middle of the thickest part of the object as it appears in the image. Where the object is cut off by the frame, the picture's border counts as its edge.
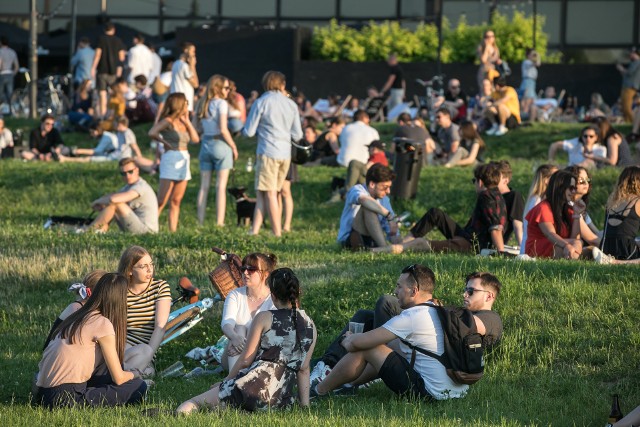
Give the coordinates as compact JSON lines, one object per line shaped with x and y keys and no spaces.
{"x":389,"y":217}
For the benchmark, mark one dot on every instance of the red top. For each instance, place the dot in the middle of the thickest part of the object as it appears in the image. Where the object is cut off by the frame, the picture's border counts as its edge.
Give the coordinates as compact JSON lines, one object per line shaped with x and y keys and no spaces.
{"x":379,"y":157}
{"x":537,"y":243}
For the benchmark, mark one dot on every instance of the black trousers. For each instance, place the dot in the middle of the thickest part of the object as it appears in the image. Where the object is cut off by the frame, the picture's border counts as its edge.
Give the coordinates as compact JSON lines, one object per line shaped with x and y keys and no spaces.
{"x":457,"y":239}
{"x":102,"y":392}
{"x":386,"y":307}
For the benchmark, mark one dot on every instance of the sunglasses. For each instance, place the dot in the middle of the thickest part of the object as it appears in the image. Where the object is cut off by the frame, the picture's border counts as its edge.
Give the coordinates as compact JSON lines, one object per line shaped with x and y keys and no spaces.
{"x":249,"y":268}
{"x":572,"y":188}
{"x":129,"y":172}
{"x":470,"y":291}
{"x":412,"y":271}
{"x":584,"y":181}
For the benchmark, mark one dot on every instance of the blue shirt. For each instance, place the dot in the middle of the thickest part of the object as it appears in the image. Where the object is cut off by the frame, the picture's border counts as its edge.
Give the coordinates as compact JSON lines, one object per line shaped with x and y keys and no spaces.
{"x":274,"y":118}
{"x":82,"y":62}
{"x":351,"y":208}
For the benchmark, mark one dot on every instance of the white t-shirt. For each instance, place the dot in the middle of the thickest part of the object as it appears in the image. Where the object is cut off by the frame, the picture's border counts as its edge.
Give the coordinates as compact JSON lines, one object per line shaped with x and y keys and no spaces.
{"x":216,"y":108}
{"x":576,"y":151}
{"x":353,"y":142}
{"x":421,"y":327}
{"x":180,"y":75}
{"x":140,"y":62}
{"x":236,"y":308}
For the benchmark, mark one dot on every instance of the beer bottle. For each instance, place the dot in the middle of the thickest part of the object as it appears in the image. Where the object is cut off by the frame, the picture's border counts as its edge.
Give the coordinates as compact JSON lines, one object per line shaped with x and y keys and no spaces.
{"x":616,"y":414}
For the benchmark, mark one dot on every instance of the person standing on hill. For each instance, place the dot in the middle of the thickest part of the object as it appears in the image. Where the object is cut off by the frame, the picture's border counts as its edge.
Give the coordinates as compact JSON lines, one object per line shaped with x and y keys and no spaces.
{"x":184,"y":77}
{"x":395,"y":83}
{"x":8,"y":70}
{"x":107,"y":63}
{"x":630,"y":83}
{"x":140,"y":60}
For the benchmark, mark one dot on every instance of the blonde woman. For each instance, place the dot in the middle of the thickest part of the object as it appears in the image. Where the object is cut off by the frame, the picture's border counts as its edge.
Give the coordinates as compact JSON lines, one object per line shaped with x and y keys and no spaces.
{"x":218,"y":151}
{"x":174,"y":131}
{"x":536,"y":194}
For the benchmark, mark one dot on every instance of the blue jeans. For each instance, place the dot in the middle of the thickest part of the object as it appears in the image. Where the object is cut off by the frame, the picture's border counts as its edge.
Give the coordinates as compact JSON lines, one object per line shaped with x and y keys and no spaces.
{"x":6,"y":88}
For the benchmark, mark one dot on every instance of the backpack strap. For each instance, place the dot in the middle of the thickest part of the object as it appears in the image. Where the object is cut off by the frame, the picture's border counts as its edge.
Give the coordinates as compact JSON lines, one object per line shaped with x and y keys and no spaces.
{"x":440,"y":358}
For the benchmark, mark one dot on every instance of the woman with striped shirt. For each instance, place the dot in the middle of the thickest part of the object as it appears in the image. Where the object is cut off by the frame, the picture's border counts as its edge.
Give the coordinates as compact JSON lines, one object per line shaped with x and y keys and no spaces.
{"x":148,"y":307}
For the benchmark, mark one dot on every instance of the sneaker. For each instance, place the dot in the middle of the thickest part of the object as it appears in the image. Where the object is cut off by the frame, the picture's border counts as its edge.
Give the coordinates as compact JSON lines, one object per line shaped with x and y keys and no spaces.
{"x":501,"y":131}
{"x":336,"y":197}
{"x":524,"y":257}
{"x":319,"y":373}
{"x":600,"y":257}
{"x":493,"y":129}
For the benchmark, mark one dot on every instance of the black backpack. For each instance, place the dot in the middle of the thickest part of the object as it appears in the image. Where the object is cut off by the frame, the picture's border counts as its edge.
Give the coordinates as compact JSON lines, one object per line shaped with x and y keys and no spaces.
{"x":463,"y":352}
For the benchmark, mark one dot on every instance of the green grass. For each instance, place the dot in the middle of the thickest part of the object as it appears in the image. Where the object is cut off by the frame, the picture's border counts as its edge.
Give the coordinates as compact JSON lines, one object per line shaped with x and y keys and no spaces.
{"x":571,"y":337}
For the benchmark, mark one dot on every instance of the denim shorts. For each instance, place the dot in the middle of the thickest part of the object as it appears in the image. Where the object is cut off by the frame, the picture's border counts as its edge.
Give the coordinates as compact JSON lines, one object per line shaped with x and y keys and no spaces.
{"x":215,"y":154}
{"x":528,"y":88}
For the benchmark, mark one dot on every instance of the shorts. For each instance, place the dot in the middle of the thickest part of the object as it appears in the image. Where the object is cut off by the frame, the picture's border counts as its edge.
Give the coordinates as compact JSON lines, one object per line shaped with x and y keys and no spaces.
{"x":104,"y":81}
{"x":270,"y":173}
{"x":215,"y":154}
{"x":528,"y":88}
{"x":158,"y":99}
{"x":131,"y":223}
{"x":401,"y":378}
{"x":175,"y":165}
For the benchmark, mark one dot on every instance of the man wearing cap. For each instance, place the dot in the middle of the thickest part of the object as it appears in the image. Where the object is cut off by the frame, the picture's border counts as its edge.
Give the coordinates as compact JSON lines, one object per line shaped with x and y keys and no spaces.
{"x":368,"y":219}
{"x":630,"y":83}
{"x":357,"y":171}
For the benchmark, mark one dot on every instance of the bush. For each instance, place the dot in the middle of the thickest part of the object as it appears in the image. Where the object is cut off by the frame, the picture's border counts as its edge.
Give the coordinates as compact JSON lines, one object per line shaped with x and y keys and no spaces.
{"x":376,"y":41}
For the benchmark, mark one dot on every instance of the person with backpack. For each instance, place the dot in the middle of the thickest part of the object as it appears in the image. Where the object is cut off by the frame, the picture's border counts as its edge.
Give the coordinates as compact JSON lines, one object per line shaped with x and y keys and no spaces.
{"x":426,"y":377}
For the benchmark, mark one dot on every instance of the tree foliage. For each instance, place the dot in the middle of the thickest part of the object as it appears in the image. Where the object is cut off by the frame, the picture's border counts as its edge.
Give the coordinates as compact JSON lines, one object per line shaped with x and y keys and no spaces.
{"x":374,"y":42}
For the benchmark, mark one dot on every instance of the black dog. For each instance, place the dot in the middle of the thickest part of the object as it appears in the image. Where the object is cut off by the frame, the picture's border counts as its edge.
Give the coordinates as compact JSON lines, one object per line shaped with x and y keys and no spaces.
{"x":244,"y":205}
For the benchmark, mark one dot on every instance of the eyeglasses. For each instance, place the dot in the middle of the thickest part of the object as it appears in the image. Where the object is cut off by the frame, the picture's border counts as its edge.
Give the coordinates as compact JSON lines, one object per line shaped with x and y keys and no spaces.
{"x":249,"y":268}
{"x":589,"y":135}
{"x":470,"y":291}
{"x":129,"y":172}
{"x":572,"y":188}
{"x":412,"y":271}
{"x":582,"y":181}
{"x":144,"y":266}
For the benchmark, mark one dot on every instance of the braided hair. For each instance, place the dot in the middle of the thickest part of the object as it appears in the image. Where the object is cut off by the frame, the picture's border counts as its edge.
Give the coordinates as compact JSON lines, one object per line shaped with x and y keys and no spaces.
{"x":284,"y":285}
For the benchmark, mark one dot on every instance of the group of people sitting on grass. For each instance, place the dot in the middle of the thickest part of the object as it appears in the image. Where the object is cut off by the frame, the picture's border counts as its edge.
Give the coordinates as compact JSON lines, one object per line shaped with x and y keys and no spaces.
{"x":553,"y":223}
{"x":101,"y":348}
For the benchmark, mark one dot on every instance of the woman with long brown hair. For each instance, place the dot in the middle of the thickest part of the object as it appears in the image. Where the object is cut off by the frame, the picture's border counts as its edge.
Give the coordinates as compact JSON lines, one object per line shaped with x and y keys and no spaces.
{"x":618,"y":151}
{"x":218,"y":150}
{"x":174,"y":131}
{"x":92,"y":336}
{"x":148,"y":307}
{"x":471,"y":148}
{"x":622,"y":224}
{"x":237,"y":109}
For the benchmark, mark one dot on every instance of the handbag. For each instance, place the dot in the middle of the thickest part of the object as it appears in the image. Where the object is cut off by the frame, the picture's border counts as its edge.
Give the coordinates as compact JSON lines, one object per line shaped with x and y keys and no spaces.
{"x":226,"y":276}
{"x":300,"y":152}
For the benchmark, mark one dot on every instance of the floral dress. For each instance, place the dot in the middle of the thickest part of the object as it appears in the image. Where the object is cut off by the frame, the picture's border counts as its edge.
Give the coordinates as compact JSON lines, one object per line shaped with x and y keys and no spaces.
{"x":268,"y":382}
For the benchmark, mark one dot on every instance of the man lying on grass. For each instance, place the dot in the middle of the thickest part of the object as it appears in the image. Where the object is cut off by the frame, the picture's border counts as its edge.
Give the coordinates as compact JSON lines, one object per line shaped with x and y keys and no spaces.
{"x":367,"y":219}
{"x":410,"y":316}
{"x":134,"y":207}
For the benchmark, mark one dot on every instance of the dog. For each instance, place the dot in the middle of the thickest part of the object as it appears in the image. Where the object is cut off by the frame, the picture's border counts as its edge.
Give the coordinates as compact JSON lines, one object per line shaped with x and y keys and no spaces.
{"x":244,"y":205}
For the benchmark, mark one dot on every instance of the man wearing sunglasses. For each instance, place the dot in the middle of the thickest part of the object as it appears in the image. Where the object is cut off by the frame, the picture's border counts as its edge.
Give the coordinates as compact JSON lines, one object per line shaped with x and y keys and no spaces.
{"x":367,"y":218}
{"x":360,"y":358}
{"x":587,"y":144}
{"x":134,"y":207}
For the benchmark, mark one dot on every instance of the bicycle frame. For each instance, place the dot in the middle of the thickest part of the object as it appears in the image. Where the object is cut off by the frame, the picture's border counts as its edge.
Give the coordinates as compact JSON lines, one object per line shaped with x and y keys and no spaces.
{"x":185,"y":318}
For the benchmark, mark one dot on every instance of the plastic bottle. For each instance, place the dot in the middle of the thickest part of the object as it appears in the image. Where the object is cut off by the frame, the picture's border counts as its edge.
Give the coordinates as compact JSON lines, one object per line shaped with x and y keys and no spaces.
{"x":250,"y":164}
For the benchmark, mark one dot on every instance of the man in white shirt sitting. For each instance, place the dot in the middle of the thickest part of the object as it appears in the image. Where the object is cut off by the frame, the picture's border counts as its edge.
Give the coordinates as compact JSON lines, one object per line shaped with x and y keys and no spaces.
{"x":355,"y":139}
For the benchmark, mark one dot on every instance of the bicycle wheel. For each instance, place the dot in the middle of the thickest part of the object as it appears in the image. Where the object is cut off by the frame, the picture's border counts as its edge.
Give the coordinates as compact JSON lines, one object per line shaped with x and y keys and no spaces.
{"x":20,"y":103}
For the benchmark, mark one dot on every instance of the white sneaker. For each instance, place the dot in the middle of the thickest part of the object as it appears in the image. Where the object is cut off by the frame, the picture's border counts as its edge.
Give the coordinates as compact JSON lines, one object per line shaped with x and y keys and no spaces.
{"x":501,"y":131}
{"x":319,"y":373}
{"x":493,"y":129}
{"x":600,"y":257}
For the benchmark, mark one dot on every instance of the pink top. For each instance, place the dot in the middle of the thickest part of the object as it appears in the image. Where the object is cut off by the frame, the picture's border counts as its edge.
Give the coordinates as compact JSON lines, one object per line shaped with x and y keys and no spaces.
{"x":66,"y":363}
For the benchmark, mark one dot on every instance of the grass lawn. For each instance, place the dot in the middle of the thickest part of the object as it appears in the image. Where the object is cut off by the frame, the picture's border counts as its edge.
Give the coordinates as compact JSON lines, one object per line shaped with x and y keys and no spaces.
{"x":571,"y":334}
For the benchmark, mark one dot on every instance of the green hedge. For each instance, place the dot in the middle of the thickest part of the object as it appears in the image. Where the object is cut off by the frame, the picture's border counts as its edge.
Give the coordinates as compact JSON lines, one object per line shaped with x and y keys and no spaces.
{"x":375,"y":42}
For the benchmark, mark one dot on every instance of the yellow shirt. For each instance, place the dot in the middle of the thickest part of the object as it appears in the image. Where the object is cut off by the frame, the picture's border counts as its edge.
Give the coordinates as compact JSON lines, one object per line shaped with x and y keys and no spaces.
{"x":513,"y":104}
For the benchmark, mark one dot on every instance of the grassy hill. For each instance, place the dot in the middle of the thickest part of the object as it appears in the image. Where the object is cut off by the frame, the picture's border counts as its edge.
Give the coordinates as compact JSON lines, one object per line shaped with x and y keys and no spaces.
{"x":571,"y":337}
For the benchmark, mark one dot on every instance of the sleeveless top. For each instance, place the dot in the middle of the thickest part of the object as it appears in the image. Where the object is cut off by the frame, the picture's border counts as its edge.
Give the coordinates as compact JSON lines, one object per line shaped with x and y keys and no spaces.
{"x":619,"y":240}
{"x":467,"y":144}
{"x":624,"y":154}
{"x":322,"y":147}
{"x":177,"y":140}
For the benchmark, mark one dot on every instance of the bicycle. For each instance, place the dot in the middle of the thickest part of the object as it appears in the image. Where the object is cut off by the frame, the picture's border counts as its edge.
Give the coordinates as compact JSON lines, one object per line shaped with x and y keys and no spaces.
{"x":433,"y":88}
{"x":51,"y":97}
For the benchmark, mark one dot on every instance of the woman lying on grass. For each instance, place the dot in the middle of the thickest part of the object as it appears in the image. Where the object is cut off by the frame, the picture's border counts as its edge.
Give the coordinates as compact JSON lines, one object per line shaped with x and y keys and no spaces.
{"x":618,"y":243}
{"x":148,"y":306}
{"x":72,"y":367}
{"x":83,"y":290}
{"x":553,"y":229}
{"x":277,"y":356}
